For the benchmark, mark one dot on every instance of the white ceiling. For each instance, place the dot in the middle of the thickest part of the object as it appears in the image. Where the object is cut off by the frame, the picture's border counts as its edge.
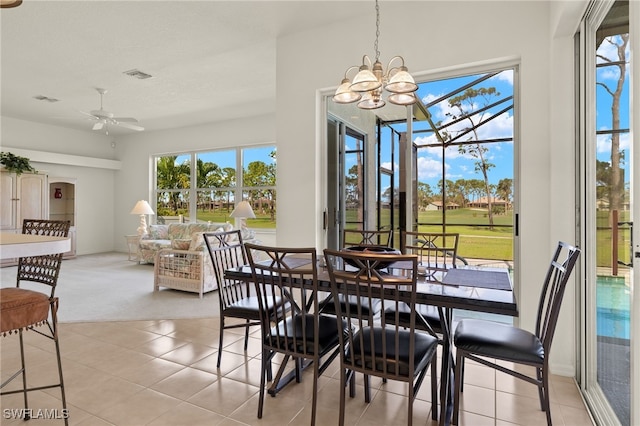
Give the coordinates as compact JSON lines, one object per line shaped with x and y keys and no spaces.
{"x":210,"y":60}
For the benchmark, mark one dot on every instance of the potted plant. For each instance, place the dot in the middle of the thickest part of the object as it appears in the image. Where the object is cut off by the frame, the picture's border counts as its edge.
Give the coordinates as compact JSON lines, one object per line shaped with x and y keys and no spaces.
{"x":15,"y":163}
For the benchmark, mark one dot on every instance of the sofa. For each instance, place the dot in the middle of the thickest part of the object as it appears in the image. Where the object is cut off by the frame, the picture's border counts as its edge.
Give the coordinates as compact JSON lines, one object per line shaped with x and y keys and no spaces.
{"x":180,"y":256}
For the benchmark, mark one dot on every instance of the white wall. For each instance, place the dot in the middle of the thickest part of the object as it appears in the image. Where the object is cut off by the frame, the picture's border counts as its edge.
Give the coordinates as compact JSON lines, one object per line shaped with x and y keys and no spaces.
{"x":95,"y":185}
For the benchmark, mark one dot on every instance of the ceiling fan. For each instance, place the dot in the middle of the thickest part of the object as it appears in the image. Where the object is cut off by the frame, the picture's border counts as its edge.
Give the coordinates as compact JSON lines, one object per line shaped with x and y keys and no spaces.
{"x":103,"y":118}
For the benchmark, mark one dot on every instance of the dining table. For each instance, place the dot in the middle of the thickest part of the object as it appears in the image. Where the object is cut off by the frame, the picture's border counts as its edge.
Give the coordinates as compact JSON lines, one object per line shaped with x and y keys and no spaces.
{"x":470,"y":288}
{"x":14,"y":245}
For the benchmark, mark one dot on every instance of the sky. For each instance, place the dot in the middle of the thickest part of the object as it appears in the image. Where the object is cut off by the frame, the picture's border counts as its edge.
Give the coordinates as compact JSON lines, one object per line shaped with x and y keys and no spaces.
{"x":227,"y":158}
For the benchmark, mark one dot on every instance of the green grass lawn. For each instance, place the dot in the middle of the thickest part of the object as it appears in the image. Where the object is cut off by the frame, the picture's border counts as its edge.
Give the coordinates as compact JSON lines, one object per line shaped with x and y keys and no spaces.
{"x":477,"y":240}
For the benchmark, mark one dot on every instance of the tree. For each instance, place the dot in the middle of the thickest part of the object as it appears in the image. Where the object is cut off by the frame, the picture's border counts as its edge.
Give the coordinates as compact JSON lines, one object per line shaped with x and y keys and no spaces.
{"x":173,"y":176}
{"x":425,"y":194}
{"x":206,"y":177}
{"x":616,"y":183}
{"x":504,"y":190}
{"x":260,"y":174}
{"x":466,"y":105}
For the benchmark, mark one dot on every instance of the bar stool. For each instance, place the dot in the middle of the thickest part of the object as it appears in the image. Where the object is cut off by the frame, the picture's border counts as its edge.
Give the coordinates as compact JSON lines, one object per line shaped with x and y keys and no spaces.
{"x":22,"y":309}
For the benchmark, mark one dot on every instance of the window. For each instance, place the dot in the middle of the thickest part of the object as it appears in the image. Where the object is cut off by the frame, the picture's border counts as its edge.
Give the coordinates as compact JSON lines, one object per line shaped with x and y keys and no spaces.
{"x":208,"y":191}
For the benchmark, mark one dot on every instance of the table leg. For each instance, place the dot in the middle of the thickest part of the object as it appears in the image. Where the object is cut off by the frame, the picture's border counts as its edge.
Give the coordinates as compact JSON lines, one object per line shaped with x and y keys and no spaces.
{"x":446,"y":376}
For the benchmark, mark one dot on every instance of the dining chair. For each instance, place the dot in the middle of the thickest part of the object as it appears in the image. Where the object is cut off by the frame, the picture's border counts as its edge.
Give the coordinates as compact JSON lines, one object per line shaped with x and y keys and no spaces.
{"x":437,"y":253}
{"x":235,"y":299}
{"x":24,"y":309}
{"x":301,"y":333}
{"x":360,"y":237}
{"x":478,"y":339}
{"x":376,"y":346}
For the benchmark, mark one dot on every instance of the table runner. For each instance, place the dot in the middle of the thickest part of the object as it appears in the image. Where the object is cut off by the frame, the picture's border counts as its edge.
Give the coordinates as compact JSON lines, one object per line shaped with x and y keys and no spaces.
{"x":478,"y":278}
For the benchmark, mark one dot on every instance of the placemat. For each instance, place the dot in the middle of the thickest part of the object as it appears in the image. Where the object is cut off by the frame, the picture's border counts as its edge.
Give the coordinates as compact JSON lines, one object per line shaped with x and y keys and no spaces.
{"x":478,"y":278}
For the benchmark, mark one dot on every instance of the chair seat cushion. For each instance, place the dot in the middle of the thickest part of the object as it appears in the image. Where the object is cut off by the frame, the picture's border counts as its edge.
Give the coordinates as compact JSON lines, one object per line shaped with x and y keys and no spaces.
{"x":249,"y":307}
{"x":496,"y":340}
{"x":300,"y":328}
{"x":21,"y":308}
{"x":428,"y":315}
{"x":425,"y":347}
{"x":327,"y":306}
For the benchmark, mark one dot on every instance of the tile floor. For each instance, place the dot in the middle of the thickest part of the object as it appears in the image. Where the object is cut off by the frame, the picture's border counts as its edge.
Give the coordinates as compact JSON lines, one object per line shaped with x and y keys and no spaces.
{"x":164,"y":373}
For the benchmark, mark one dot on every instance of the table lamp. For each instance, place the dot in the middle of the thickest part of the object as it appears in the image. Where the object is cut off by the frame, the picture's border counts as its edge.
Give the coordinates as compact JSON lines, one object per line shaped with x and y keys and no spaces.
{"x":241,"y":212}
{"x":143,"y":209}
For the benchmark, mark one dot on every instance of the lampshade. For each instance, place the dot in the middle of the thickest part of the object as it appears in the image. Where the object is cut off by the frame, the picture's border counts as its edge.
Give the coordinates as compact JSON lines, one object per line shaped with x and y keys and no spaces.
{"x":365,"y":80}
{"x":142,"y":207}
{"x":402,"y":98}
{"x":369,"y":101}
{"x":402,"y":82}
{"x":344,"y":95}
{"x":243,"y":210}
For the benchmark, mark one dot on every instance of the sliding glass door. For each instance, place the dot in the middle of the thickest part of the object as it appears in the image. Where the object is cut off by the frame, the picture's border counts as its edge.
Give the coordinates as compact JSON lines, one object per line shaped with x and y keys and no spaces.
{"x":606,"y":176}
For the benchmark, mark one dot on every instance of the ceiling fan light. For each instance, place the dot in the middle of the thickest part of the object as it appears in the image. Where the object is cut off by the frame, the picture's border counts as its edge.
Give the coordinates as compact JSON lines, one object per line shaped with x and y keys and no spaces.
{"x":402,"y":82}
{"x":365,"y":80}
{"x":402,"y":98}
{"x":344,"y":95}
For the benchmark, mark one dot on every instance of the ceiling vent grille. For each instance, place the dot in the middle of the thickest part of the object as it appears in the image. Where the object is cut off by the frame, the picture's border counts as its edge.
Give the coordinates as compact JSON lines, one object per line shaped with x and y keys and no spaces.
{"x":46,"y":98}
{"x":137,"y":74}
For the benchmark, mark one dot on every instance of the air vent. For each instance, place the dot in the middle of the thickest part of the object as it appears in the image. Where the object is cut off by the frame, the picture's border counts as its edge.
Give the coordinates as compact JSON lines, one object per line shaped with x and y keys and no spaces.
{"x":45,"y":98}
{"x":138,"y":74}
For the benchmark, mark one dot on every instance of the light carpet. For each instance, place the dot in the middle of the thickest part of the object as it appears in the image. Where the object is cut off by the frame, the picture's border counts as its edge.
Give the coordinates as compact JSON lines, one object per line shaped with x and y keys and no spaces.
{"x":108,"y":287}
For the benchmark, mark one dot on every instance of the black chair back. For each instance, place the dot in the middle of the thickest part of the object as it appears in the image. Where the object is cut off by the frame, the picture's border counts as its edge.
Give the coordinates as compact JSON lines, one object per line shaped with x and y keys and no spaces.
{"x":437,"y":252}
{"x":365,"y":237}
{"x":562,"y":263}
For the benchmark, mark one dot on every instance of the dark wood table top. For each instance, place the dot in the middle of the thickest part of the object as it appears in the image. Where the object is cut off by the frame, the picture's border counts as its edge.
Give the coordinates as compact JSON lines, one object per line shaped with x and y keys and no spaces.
{"x":475,"y":289}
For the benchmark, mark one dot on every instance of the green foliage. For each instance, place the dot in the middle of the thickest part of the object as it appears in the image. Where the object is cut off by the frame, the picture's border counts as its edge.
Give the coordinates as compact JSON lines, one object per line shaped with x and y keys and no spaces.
{"x":15,"y":163}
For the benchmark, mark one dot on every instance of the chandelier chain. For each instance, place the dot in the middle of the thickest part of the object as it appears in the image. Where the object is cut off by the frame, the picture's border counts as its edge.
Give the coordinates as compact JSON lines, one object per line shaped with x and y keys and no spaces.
{"x":375,"y":45}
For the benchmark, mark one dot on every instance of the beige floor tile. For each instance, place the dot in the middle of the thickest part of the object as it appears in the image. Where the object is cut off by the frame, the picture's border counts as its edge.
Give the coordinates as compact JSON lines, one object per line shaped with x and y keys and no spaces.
{"x":160,"y":345}
{"x":276,"y":412}
{"x":187,"y":414}
{"x":229,"y":362}
{"x":249,"y":372}
{"x":151,"y":372}
{"x":188,"y":353}
{"x":185,"y":383}
{"x":140,"y":408}
{"x":478,"y":400}
{"x":224,"y":396}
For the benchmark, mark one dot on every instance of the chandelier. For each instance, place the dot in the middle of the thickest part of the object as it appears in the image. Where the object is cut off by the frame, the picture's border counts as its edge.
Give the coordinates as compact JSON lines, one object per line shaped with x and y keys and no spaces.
{"x":369,"y":82}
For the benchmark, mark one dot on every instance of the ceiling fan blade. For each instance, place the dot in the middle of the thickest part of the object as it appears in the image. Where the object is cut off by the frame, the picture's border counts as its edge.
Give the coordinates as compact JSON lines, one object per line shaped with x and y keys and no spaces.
{"x":125,"y":119}
{"x":98,"y":126}
{"x":129,"y":126}
{"x":88,"y":114}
